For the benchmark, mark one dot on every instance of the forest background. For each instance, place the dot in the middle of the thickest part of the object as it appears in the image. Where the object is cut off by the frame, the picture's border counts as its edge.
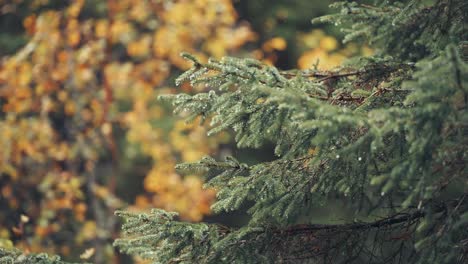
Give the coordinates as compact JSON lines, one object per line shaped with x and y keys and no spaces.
{"x":81,"y":131}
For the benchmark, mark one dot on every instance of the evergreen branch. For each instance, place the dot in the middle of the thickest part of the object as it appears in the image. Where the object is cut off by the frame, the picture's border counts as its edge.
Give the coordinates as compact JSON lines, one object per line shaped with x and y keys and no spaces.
{"x":323,"y":75}
{"x":15,"y":256}
{"x":319,"y":74}
{"x":388,"y":221}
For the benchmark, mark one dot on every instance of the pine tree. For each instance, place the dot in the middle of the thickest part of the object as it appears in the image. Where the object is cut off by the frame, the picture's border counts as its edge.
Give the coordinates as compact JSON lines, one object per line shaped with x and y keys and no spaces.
{"x":384,"y":136}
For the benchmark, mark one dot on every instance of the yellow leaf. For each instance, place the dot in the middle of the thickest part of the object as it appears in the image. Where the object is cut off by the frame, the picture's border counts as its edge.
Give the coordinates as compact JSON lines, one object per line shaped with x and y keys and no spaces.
{"x":24,"y":218}
{"x":277,"y":43}
{"x":88,"y":253}
{"x":328,"y":43}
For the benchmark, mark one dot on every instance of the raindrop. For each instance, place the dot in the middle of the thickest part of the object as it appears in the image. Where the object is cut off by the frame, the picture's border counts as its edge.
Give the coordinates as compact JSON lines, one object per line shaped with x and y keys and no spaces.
{"x":382,"y":193}
{"x":359,"y":159}
{"x":337,"y":156}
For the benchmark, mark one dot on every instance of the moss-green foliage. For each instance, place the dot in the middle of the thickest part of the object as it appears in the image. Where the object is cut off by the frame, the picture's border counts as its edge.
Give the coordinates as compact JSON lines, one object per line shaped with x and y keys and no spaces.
{"x":158,"y":237}
{"x":13,"y":256}
{"x":408,"y":30}
{"x":385,"y":135}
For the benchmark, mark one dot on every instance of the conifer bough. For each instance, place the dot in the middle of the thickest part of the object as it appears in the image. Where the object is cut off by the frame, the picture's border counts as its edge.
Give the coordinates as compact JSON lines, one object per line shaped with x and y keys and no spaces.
{"x":384,"y":137}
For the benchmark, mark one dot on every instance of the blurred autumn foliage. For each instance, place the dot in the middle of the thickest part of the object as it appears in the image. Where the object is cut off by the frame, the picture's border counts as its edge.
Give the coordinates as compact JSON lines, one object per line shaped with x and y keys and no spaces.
{"x":80,"y":77}
{"x":324,"y":52}
{"x":78,"y":113}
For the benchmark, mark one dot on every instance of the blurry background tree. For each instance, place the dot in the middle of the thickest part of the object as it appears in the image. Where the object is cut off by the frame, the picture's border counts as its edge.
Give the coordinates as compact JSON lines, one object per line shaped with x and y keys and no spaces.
{"x":78,"y":112}
{"x":284,"y":26}
{"x":81,"y":132}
